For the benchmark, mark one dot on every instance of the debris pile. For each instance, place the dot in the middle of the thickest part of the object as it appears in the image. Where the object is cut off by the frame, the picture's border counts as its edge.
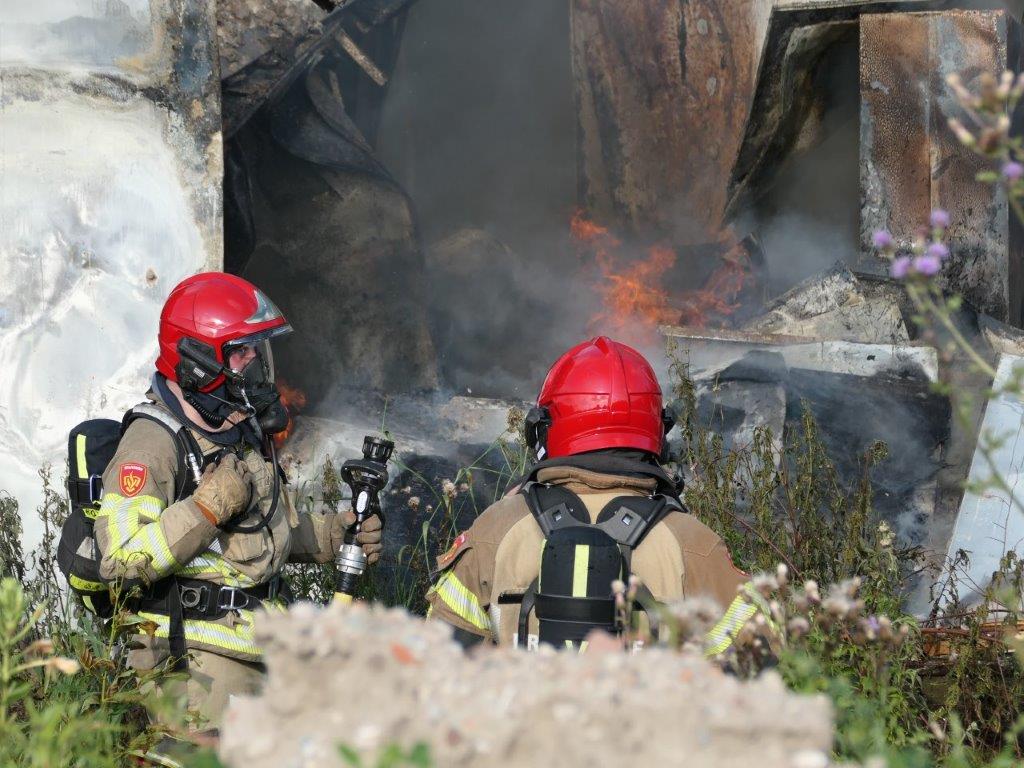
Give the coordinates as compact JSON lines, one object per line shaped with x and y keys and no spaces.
{"x":369,"y":677}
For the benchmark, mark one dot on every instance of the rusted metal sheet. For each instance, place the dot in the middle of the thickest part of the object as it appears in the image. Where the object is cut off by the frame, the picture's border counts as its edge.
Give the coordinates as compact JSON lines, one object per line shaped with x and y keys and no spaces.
{"x":910,"y":160}
{"x":797,"y":36}
{"x":662,"y":90}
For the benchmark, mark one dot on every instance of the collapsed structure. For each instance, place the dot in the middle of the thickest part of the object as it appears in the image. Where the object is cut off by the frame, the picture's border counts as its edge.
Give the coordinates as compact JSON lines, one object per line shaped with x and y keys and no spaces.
{"x":412,"y":206}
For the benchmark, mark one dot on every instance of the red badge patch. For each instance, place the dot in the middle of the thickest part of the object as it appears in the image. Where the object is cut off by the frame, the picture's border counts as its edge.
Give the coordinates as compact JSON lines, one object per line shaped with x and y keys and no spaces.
{"x":445,"y":560}
{"x":132,"y":477}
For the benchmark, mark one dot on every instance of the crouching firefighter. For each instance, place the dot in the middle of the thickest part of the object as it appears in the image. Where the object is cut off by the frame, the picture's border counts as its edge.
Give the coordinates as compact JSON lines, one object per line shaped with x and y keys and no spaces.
{"x":539,"y":564}
{"x":194,"y":519}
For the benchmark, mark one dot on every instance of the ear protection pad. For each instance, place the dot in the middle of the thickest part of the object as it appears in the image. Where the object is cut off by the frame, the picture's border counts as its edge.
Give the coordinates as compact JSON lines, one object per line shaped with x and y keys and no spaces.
{"x":197,"y":366}
{"x":537,"y":422}
{"x":668,"y":421}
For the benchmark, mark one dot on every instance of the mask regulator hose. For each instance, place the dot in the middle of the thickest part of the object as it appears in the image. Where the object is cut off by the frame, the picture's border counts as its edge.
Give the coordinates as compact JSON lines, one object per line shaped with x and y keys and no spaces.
{"x":367,"y":477}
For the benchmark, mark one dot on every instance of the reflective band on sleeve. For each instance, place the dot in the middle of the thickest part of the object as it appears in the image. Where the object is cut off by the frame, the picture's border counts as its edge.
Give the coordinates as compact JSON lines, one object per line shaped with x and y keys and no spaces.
{"x":724,"y":632}
{"x":84,"y":585}
{"x":580,"y":570}
{"x":132,"y":540}
{"x":461,"y":601}
{"x":83,"y":471}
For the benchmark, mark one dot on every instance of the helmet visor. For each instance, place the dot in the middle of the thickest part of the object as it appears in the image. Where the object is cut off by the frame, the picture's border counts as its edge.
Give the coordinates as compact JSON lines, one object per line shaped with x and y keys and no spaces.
{"x":252,"y":357}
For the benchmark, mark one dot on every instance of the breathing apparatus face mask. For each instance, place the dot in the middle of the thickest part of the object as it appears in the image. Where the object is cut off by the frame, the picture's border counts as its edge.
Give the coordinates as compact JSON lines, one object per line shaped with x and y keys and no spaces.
{"x":250,"y":382}
{"x":248,"y":370}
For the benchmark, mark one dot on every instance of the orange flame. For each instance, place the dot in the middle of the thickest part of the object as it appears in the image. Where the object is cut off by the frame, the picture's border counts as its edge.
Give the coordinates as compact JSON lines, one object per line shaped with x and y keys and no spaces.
{"x":294,"y":400}
{"x":632,"y":295}
{"x":633,"y":292}
{"x":717,"y":297}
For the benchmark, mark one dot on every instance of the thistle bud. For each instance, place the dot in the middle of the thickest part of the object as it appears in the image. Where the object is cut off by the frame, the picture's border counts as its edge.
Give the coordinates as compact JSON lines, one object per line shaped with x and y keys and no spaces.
{"x":964,"y":136}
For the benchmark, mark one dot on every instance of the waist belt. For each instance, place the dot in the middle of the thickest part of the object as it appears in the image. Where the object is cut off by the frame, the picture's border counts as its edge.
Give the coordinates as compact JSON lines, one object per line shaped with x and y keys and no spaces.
{"x":204,"y":600}
{"x":180,"y":599}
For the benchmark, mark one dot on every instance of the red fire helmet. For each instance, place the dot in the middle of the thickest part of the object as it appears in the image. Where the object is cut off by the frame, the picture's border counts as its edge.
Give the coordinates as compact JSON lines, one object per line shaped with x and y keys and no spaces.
{"x":602,"y":394}
{"x":216,"y":310}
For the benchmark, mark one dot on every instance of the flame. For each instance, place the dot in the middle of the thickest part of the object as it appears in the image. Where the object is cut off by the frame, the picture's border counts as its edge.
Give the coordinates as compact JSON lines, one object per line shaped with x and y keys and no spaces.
{"x":717,"y":297}
{"x":633,"y":293}
{"x":294,"y":400}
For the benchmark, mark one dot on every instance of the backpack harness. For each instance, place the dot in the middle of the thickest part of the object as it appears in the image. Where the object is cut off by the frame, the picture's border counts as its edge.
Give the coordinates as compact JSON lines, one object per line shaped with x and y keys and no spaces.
{"x":91,"y":447}
{"x":580,"y":560}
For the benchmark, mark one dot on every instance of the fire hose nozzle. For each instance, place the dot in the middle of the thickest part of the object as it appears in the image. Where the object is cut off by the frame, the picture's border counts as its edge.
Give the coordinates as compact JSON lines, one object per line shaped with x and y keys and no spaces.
{"x":367,"y":477}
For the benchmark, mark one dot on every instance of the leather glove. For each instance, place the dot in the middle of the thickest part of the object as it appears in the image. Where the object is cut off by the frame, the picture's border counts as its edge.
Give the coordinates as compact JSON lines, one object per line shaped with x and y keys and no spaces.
{"x":369,"y":536}
{"x":224,"y":490}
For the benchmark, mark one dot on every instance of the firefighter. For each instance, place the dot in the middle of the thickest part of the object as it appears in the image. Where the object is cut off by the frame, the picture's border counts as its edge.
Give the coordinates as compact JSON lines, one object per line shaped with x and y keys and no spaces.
{"x":195,"y":524}
{"x":539,"y":564}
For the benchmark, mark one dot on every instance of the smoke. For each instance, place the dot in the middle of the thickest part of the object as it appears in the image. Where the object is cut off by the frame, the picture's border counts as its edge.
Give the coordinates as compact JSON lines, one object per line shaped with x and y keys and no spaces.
{"x":807,"y":214}
{"x":479,"y":127}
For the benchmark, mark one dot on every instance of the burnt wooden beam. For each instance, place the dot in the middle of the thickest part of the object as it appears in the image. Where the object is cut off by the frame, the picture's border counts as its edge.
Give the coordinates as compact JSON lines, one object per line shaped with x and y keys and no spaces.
{"x":662,"y":93}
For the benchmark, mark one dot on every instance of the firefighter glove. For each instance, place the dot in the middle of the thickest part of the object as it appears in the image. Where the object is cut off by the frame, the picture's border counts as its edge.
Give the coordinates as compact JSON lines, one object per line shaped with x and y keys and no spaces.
{"x":224,"y":490}
{"x":369,"y":536}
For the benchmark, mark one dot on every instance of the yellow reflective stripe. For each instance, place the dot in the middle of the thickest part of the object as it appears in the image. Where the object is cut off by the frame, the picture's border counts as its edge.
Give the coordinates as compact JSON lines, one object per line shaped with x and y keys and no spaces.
{"x":209,"y":563}
{"x":241,"y":638}
{"x":540,"y":561}
{"x":130,"y":539}
{"x":580,"y":570}
{"x":83,"y":473}
{"x":85,"y":585}
{"x":149,"y":507}
{"x":121,"y":518}
{"x":724,"y":632}
{"x":463,"y":602}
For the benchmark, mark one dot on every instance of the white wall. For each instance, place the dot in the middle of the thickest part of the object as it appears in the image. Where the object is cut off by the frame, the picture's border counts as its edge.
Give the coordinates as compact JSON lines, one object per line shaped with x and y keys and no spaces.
{"x":110,"y":184}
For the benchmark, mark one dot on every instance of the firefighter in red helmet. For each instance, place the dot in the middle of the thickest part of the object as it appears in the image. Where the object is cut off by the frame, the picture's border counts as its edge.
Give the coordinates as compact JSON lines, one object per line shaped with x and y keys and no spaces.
{"x":195,"y":524}
{"x":597,"y":506}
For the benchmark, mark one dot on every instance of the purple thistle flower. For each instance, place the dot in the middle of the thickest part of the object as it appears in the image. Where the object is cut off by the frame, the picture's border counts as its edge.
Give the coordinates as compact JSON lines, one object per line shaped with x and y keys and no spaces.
{"x":939,"y":219}
{"x":927,"y":265}
{"x":938,"y":251}
{"x":900,"y":267}
{"x":1013,"y":171}
{"x":882,"y":240}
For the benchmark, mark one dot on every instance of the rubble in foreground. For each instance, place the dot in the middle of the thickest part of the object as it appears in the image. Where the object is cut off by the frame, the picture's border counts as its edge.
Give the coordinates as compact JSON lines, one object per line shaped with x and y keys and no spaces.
{"x":370,"y":677}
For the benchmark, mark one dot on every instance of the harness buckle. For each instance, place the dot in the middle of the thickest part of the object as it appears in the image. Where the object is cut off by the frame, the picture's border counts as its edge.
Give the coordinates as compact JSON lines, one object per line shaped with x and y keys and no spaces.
{"x":194,"y":597}
{"x":95,"y":488}
{"x":228,"y":597}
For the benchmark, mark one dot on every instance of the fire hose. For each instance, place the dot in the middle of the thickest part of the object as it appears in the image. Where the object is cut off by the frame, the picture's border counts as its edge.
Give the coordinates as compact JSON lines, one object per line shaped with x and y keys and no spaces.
{"x":366,"y":477}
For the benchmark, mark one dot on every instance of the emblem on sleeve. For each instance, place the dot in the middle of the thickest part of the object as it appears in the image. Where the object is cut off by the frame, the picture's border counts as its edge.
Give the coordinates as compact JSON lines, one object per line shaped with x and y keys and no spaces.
{"x":445,"y":560}
{"x":132,"y":477}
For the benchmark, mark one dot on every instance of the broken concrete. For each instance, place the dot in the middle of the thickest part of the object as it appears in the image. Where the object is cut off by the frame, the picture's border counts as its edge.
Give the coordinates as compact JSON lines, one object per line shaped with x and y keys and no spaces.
{"x":368,"y":677}
{"x":834,"y":307}
{"x":991,"y":520}
{"x":858,"y":393}
{"x":1001,"y":338}
{"x":912,"y":162}
{"x":709,"y":352}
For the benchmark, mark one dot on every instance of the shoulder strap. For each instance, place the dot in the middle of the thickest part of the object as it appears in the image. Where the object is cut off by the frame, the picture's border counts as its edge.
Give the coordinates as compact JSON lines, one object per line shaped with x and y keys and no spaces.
{"x":555,"y":507}
{"x":627,"y":519}
{"x":188,"y":453}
